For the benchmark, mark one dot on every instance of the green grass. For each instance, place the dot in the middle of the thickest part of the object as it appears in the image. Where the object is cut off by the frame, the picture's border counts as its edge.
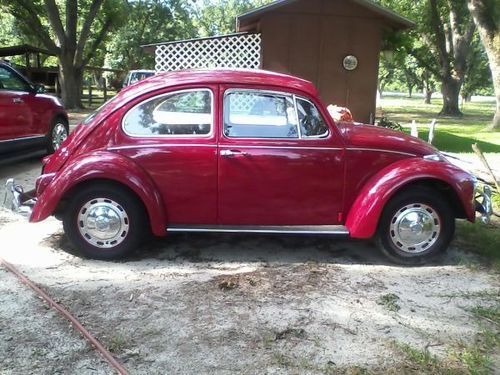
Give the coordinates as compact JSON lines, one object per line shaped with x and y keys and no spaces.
{"x":452,"y":134}
{"x":460,"y":359}
{"x":390,"y":302}
{"x":481,"y":239}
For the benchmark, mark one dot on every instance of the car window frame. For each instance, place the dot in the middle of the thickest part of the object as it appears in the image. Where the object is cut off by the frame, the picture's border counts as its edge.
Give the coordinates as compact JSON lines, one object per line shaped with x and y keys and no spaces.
{"x":29,"y":85}
{"x":264,"y":91}
{"x":174,"y":136}
{"x":293,"y":96}
{"x":311,"y":137}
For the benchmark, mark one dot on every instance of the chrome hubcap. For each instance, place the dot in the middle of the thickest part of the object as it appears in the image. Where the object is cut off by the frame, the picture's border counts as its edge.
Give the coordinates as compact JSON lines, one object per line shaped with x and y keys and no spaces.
{"x":103,"y":223}
{"x":414,"y":228}
{"x":59,"y":134}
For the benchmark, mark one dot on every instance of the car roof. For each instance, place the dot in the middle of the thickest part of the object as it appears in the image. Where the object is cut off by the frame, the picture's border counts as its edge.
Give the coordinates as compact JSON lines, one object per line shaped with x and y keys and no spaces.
{"x":204,"y":77}
{"x":221,"y":76}
{"x":141,"y":71}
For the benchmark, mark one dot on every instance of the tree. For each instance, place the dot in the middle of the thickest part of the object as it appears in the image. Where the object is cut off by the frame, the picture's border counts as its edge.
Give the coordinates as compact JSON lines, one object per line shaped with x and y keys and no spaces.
{"x":478,"y":76}
{"x":72,"y":32}
{"x":440,"y":43}
{"x":486,"y":15}
{"x":149,"y":21}
{"x":216,"y":17}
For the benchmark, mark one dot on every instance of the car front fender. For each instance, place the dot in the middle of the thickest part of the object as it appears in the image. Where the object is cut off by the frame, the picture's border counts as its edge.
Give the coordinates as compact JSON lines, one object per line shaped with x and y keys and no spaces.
{"x":101,"y":165}
{"x":363,"y":217}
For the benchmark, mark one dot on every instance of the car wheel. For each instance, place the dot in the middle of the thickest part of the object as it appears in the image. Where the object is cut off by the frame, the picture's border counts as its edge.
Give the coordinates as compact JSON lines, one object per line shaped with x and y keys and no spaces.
{"x":416,"y":225}
{"x":59,"y":131}
{"x":105,"y":221}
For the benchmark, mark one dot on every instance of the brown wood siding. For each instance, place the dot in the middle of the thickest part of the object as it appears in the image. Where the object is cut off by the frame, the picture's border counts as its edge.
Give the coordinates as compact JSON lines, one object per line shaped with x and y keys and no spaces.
{"x":311,"y":38}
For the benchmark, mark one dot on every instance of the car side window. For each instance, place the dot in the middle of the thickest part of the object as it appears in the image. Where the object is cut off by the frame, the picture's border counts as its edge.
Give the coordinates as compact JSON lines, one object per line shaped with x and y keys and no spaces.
{"x":311,"y":122}
{"x":182,"y":113}
{"x":257,"y":114}
{"x":10,"y":81}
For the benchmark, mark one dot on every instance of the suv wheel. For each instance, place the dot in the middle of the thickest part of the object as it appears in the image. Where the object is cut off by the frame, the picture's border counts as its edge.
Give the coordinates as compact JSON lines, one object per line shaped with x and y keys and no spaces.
{"x":59,"y":131}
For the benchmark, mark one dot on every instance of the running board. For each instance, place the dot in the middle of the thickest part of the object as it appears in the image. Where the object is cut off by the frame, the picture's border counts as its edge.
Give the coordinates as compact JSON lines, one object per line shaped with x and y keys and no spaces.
{"x":301,"y":229}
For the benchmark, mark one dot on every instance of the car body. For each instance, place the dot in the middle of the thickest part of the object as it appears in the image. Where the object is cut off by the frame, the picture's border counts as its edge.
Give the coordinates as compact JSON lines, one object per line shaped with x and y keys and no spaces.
{"x":246,"y":151}
{"x":29,"y":119}
{"x":134,"y":76}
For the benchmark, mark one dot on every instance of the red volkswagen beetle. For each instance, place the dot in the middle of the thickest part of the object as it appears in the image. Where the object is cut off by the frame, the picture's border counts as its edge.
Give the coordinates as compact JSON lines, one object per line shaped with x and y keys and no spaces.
{"x":29,"y":119}
{"x":252,"y":152}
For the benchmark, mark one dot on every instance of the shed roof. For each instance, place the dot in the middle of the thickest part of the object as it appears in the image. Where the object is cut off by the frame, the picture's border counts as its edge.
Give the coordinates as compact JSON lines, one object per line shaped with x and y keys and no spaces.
{"x":22,"y":49}
{"x":398,"y":21}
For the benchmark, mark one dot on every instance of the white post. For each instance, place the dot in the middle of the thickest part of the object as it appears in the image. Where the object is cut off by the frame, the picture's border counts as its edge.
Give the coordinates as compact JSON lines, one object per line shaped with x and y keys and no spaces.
{"x":414,"y":129}
{"x":431,"y":131}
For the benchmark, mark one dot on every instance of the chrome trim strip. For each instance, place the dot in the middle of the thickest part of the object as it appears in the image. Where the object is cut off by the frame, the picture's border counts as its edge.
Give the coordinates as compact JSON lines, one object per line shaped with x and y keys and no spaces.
{"x":236,"y":146}
{"x":23,"y":138}
{"x":378,"y":150}
{"x":311,"y":229}
{"x":173,"y":136}
{"x":165,"y":145}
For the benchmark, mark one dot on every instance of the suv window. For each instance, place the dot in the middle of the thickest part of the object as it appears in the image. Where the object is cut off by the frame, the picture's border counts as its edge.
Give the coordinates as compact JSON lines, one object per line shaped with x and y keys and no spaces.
{"x":256,"y":114}
{"x":183,"y":113}
{"x":310,"y":120}
{"x":10,"y":81}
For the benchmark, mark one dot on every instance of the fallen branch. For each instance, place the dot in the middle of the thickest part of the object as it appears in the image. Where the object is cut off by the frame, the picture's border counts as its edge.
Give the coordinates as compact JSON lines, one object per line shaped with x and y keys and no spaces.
{"x":478,"y":152}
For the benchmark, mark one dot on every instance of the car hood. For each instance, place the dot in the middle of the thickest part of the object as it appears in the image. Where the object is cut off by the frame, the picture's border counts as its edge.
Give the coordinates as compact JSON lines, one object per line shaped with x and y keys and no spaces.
{"x":375,"y":137}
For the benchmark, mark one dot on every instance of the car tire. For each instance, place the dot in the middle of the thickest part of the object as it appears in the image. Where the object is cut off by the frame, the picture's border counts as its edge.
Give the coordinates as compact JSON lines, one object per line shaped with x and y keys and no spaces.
{"x":58,"y":132}
{"x":105,"y":221}
{"x":415,"y":226}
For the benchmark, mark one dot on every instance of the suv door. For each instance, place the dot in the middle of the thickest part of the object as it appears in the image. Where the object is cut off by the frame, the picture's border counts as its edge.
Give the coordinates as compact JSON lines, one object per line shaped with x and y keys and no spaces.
{"x":280,"y":162}
{"x":16,"y":117}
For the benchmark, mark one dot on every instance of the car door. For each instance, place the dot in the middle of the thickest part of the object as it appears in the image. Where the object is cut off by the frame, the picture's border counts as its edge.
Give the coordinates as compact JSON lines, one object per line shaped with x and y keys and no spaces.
{"x":280,"y":161}
{"x":172,"y":137}
{"x":16,"y":117}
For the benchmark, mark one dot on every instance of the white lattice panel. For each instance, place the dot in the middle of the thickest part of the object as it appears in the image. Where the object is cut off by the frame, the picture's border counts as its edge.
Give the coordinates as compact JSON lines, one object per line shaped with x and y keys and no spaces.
{"x":232,"y":51}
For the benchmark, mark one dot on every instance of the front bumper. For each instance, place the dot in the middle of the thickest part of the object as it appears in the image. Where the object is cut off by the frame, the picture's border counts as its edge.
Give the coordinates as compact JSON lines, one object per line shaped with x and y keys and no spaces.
{"x":17,"y":200}
{"x":482,"y":202}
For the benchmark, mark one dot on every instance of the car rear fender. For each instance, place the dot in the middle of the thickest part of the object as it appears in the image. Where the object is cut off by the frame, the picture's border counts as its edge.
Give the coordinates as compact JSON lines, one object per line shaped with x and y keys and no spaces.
{"x":103,"y":165}
{"x":363,"y":217}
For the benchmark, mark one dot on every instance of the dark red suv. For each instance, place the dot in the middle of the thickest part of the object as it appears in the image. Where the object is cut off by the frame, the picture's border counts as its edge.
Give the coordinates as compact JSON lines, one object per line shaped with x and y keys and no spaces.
{"x":29,"y":119}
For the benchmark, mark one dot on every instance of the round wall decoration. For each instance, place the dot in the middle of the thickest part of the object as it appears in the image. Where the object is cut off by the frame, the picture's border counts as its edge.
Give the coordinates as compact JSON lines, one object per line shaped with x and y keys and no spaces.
{"x":350,"y":62}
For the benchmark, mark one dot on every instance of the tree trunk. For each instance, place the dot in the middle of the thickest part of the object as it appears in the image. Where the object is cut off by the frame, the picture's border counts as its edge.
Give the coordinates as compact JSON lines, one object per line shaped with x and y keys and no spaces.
{"x":486,"y":19}
{"x":450,"y":88}
{"x":71,"y":83}
{"x":427,"y":96}
{"x":410,"y":90}
{"x":494,"y":58}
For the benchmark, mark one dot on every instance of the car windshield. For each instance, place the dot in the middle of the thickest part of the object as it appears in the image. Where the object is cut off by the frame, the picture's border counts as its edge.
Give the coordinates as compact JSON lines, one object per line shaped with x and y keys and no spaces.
{"x":93,"y":115}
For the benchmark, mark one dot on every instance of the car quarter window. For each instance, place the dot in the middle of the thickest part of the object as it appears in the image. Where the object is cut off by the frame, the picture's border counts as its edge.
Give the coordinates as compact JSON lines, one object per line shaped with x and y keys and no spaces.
{"x":311,"y":122}
{"x":10,"y":81}
{"x":259,"y":114}
{"x":181,"y":113}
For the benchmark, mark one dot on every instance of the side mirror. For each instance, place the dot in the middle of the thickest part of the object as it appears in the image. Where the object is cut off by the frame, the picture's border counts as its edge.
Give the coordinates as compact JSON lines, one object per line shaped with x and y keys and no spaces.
{"x":39,"y":88}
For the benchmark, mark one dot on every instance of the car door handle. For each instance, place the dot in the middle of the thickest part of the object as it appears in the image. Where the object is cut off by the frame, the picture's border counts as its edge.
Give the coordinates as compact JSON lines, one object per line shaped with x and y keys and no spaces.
{"x":17,"y":101}
{"x":232,"y":153}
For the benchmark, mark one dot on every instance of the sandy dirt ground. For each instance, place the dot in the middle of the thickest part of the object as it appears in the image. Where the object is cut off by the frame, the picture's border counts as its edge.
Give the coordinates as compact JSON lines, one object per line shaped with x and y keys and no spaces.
{"x":226,"y":304}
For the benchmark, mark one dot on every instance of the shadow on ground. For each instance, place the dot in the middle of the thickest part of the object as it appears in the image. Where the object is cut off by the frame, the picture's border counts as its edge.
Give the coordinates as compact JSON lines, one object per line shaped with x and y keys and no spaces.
{"x":245,"y":248}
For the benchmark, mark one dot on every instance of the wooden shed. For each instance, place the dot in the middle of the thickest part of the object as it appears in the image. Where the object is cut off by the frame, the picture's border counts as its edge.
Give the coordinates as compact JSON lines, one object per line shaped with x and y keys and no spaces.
{"x":333,"y":43}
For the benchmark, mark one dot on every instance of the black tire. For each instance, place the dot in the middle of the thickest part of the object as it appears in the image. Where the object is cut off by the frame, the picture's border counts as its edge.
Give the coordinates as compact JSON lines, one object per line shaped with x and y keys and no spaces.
{"x":134,"y":220}
{"x":51,"y":135}
{"x":441,"y":226}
